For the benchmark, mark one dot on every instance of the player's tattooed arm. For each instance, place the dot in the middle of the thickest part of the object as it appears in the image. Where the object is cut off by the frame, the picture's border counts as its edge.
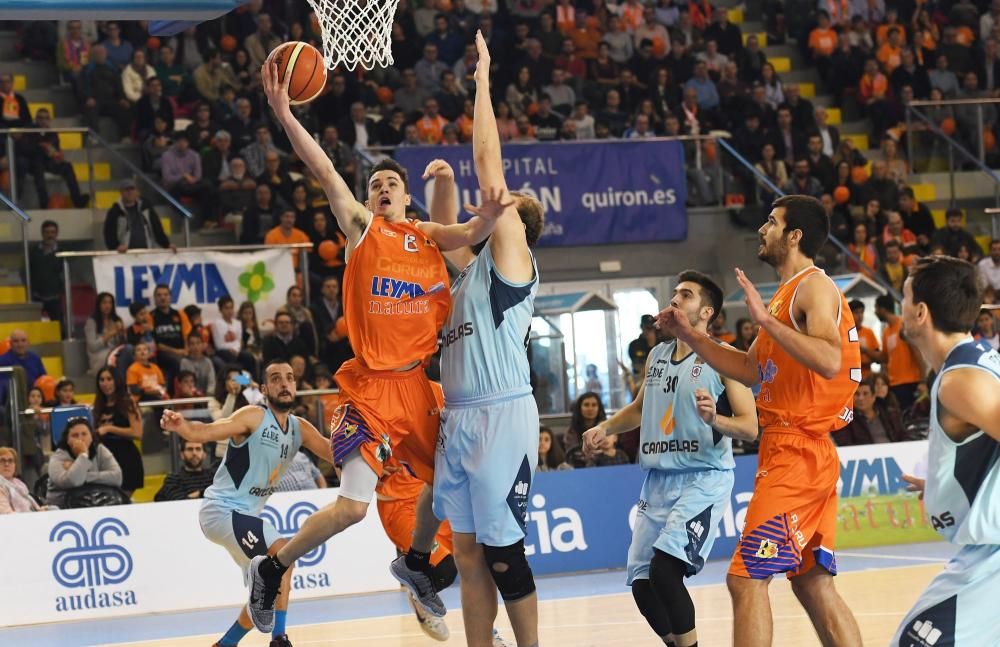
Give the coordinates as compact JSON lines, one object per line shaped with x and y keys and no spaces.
{"x":237,"y":426}
{"x":969,"y":400}
{"x":315,"y":442}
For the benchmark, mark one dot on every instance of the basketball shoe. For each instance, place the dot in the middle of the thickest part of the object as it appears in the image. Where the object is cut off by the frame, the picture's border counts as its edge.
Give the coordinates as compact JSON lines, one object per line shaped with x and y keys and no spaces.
{"x":420,"y":587}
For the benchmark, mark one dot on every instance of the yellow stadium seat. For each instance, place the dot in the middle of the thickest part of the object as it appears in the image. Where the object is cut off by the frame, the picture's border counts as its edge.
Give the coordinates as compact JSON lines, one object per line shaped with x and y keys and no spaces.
{"x":34,"y":107}
{"x":105,"y":199}
{"x":83,"y":398}
{"x":833,"y":116}
{"x":735,"y":15}
{"x":938,"y":215}
{"x":761,"y":38}
{"x":151,"y":485}
{"x":71,"y":141}
{"x":807,"y":90}
{"x":20,"y":83}
{"x":53,"y":366}
{"x":984,"y":243}
{"x":102,"y":171}
{"x":860,"y":141}
{"x":12,"y":294}
{"x":924,"y":192}
{"x":781,"y":64}
{"x":39,"y":332}
{"x":167,"y":225}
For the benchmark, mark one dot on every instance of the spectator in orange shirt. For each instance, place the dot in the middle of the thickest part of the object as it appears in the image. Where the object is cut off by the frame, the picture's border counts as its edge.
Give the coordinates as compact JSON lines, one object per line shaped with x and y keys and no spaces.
{"x":866,"y":337}
{"x":464,"y":122}
{"x":890,"y":54}
{"x":891,"y":20}
{"x":872,"y":88}
{"x":896,"y":230}
{"x":901,"y":361}
{"x":431,"y":126}
{"x":822,"y":43}
{"x":144,"y":379}
{"x":285,"y":233}
{"x":586,"y":36}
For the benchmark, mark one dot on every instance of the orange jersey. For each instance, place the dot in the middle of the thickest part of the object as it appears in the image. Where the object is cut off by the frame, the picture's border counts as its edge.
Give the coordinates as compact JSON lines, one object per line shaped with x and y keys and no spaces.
{"x":794,"y":397}
{"x":823,"y":41}
{"x":903,"y":367}
{"x":396,"y":295}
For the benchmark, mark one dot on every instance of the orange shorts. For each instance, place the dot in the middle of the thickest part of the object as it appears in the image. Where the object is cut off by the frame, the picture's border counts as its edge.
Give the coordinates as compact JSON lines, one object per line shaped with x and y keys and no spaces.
{"x":399,"y":518}
{"x":386,"y":414}
{"x":791,"y":522}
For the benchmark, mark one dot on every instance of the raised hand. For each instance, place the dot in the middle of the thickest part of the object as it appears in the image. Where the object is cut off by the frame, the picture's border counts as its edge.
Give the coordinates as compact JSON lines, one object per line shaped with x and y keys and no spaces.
{"x":275,"y":90}
{"x":492,"y":206}
{"x":755,"y":304}
{"x":172,"y":421}
{"x":675,"y":323}
{"x":483,"y":66}
{"x":439,"y":170}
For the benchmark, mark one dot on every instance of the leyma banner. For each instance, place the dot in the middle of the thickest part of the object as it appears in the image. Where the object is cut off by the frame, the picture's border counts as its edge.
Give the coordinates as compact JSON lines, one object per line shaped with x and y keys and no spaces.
{"x":200,"y":278}
{"x":593,"y":194}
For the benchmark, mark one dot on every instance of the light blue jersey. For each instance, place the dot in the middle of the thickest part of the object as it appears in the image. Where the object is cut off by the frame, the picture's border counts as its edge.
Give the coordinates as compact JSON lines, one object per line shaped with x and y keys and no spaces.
{"x":252,"y":469}
{"x":672,"y":436}
{"x":483,"y":345}
{"x":963,"y":481}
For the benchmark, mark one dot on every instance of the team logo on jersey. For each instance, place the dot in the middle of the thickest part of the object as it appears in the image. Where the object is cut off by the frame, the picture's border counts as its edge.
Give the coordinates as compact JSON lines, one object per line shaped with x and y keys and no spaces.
{"x":350,"y":430}
{"x":695,"y":371}
{"x":768,"y":549}
{"x":667,"y":421}
{"x":767,"y":372}
{"x":387,"y":232}
{"x":384,"y":450}
{"x":774,"y":307}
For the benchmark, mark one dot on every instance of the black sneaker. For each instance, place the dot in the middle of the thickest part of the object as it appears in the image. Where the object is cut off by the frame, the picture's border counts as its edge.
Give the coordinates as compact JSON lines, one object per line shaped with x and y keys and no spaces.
{"x":281,"y":641}
{"x":419,"y":585}
{"x":263,"y":592}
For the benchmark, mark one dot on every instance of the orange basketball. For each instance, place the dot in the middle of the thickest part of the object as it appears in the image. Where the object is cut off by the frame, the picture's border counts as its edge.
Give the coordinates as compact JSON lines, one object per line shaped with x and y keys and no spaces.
{"x":153,"y":43}
{"x":989,"y":140}
{"x":307,"y":67}
{"x":340,"y":327}
{"x":228,"y":43}
{"x":859,"y":175}
{"x":327,"y":250}
{"x":384,"y":95}
{"x":948,"y":126}
{"x":841,"y":194}
{"x":47,"y":384}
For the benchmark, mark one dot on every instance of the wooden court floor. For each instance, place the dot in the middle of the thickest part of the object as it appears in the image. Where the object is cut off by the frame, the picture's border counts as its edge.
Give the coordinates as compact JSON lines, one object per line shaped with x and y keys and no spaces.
{"x":878,"y":597}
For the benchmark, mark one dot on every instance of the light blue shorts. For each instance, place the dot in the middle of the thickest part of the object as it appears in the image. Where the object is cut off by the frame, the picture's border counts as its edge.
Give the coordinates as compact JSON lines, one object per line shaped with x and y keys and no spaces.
{"x":244,"y":536}
{"x":679,"y":514}
{"x":483,"y":467}
{"x":958,"y":608}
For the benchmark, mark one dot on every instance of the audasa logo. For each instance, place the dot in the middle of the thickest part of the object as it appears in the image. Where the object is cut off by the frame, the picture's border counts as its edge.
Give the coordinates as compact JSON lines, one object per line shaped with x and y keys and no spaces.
{"x":560,"y":530}
{"x":93,"y":563}
{"x":288,"y":526}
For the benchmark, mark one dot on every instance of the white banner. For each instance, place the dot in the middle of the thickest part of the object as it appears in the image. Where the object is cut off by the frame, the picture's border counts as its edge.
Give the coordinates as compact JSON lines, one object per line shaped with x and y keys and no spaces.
{"x":148,"y":558}
{"x":200,"y":278}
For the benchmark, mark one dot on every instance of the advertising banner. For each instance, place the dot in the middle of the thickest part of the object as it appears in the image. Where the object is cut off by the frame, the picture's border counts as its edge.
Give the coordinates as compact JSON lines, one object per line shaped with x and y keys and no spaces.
{"x":593,"y":194}
{"x":200,"y":278}
{"x":148,"y":558}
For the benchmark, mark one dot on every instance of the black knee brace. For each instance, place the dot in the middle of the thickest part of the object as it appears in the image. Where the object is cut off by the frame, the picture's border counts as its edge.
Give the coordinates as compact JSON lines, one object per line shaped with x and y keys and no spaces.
{"x":444,"y":573}
{"x":666,"y":574}
{"x":651,"y":607}
{"x":510,"y":571}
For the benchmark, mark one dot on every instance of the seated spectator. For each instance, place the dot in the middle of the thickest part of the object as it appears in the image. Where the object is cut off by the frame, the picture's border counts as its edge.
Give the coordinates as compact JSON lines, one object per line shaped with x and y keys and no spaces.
{"x":212,"y":76}
{"x":640,"y":129}
{"x":200,"y":132}
{"x":883,"y":394}
{"x":775,"y":171}
{"x":896,"y":168}
{"x":820,"y":166}
{"x":410,"y":96}
{"x":263,"y":212}
{"x":287,"y":233}
{"x":192,"y":478}
{"x":612,"y":114}
{"x":583,"y":121}
{"x":102,"y":94}
{"x":464,"y":122}
{"x":450,"y":97}
{"x":562,"y":94}
{"x":151,"y":105}
{"x":746,"y":333}
{"x":430,"y":127}
{"x":989,"y":266}
{"x":177,"y":81}
{"x":198,"y":364}
{"x":156,"y":143}
{"x":118,"y":425}
{"x":79,"y":460}
{"x":145,"y":380}
{"x":181,"y":170}
{"x":587,"y":411}
{"x":104,"y":331}
{"x":260,"y":43}
{"x":227,"y":336}
{"x":228,"y":396}
{"x":193,"y":314}
{"x":774,"y":90}
{"x":890,"y":53}
{"x":713,"y":59}
{"x":237,"y":191}
{"x":802,"y":182}
{"x":329,"y":262}
{"x":522,"y":93}
{"x":545,"y":122}
{"x":358,"y":129}
{"x":255,"y":154}
{"x":942,"y":78}
{"x":47,"y":284}
{"x":862,"y":247}
{"x":141,"y":329}
{"x":119,"y":49}
{"x":301,"y":474}
{"x":895,"y":230}
{"x":953,"y":235}
{"x":134,"y":76}
{"x":47,"y":157}
{"x":916,"y":217}
{"x":171,"y":328}
{"x":789,"y":144}
{"x":551,"y":457}
{"x":339,"y":153}
{"x":65,"y":393}
{"x":619,"y":41}
{"x":305,"y":326}
{"x":822,"y":43}
{"x":284,"y":343}
{"x":276,"y":177}
{"x":36,"y":438}
{"x":986,"y":329}
{"x":252,"y":341}
{"x":873,"y":422}
{"x":872,"y":91}
{"x":327,"y":316}
{"x":72,"y":54}
{"x":893,"y":268}
{"x":131,"y":223}
{"x":21,"y":355}
{"x":14,"y":493}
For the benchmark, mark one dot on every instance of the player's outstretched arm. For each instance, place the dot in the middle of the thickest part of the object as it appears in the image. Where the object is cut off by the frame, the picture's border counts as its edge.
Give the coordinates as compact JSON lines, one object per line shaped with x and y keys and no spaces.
{"x":352,"y":216}
{"x":509,"y":244}
{"x":728,"y":361}
{"x":473,"y":231}
{"x":443,"y":208}
{"x":625,"y":419}
{"x":314,"y":441}
{"x":972,"y":396}
{"x":241,"y":424}
{"x":742,"y":425}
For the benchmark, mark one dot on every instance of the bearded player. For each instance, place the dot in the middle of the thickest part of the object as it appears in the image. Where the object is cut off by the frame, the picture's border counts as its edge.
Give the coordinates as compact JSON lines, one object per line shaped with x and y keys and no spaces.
{"x":941,"y":300}
{"x":807,"y":361}
{"x":396,"y":298}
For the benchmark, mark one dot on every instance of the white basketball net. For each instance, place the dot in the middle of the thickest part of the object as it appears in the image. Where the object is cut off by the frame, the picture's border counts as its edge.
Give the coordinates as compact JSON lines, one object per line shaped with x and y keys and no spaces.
{"x":356,"y":32}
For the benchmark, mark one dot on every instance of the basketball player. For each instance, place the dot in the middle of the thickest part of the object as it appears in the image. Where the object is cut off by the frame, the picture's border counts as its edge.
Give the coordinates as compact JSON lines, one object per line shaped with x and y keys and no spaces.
{"x":395,"y":300}
{"x":489,"y":434}
{"x":808,"y":364}
{"x":941,"y":300}
{"x":263,"y":441}
{"x":686,"y":446}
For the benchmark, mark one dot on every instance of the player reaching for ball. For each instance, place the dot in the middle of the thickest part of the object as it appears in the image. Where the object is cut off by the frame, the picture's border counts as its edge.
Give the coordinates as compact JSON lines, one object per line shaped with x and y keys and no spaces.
{"x":263,"y":441}
{"x":941,"y":299}
{"x":395,"y":300}
{"x":686,"y":446}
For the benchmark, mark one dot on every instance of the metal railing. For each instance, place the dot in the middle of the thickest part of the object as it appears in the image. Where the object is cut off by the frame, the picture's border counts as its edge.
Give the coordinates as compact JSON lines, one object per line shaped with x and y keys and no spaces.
{"x":66,"y":256}
{"x":25,"y":219}
{"x":13,"y":406}
{"x":87,"y":134}
{"x":912,"y":111}
{"x":763,"y":179}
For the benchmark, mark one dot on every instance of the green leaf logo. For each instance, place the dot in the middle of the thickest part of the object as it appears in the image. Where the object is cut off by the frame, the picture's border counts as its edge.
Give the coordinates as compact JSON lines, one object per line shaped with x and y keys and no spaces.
{"x":256,"y":281}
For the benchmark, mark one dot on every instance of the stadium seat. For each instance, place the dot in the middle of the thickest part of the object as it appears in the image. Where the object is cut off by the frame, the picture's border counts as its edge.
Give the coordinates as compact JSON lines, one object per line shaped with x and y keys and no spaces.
{"x":761,"y":38}
{"x":34,"y":107}
{"x":102,"y":171}
{"x":833,"y":117}
{"x":39,"y":332}
{"x":924,"y":193}
{"x":20,"y":83}
{"x":12,"y":294}
{"x":71,"y":141}
{"x":781,"y":64}
{"x":807,"y":90}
